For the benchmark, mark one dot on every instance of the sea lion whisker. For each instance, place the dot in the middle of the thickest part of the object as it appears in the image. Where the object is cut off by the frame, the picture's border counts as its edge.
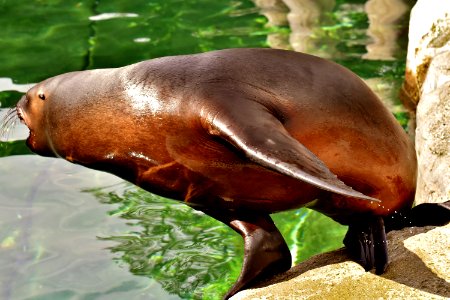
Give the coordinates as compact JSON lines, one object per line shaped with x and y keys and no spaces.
{"x":6,"y":119}
{"x":8,"y":115}
{"x":8,"y":123}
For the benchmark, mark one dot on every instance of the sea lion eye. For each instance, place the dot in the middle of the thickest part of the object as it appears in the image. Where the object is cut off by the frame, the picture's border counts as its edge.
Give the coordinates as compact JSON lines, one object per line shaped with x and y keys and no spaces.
{"x":41,"y":96}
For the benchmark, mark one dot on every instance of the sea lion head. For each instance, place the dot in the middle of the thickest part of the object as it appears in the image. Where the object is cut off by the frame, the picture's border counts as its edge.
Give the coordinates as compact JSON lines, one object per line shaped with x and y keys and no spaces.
{"x":32,"y":110}
{"x":71,"y":114}
{"x":48,"y":109}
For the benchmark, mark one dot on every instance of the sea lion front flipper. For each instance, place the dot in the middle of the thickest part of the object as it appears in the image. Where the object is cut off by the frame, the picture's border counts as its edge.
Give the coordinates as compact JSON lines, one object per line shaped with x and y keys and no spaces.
{"x":265,"y":251}
{"x":366,"y":243}
{"x":254,"y":130}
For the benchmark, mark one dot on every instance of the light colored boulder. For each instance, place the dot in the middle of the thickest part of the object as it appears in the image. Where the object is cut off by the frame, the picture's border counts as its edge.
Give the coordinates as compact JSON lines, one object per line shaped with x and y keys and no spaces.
{"x":433,"y":133}
{"x":427,"y":85}
{"x":419,"y":269}
{"x":429,"y":32}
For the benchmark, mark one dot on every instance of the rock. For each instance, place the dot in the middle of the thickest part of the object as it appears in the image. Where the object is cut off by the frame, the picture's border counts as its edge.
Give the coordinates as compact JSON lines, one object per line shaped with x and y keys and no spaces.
{"x":427,"y":85}
{"x":419,"y":269}
{"x":433,"y":133}
{"x":429,"y":33}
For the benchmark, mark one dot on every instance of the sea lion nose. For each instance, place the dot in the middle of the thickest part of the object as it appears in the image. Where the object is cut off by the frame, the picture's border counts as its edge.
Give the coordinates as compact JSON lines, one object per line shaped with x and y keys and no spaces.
{"x":20,"y":109}
{"x":22,"y":101}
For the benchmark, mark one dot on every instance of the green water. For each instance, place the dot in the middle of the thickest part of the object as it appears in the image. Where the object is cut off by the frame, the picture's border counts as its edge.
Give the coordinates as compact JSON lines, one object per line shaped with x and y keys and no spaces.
{"x":72,"y":233}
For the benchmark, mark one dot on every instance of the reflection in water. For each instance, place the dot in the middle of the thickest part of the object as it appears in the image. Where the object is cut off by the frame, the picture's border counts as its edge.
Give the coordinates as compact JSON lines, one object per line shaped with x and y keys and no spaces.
{"x":276,"y":13}
{"x":319,"y":27}
{"x":384,"y":17}
{"x":364,"y":36}
{"x":304,"y":17}
{"x":322,"y":27}
{"x":184,"y":250}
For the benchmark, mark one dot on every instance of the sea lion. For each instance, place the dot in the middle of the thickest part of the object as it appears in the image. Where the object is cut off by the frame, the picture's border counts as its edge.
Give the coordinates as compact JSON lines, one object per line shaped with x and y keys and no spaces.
{"x":238,"y":134}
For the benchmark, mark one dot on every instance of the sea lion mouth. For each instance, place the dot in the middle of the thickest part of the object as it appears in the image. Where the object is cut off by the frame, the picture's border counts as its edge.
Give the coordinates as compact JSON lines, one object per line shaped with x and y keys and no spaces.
{"x":23,"y":119}
{"x":21,"y":116}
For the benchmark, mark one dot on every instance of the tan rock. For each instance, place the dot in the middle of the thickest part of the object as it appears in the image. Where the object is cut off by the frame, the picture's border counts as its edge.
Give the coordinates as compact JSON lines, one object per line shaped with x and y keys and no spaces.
{"x":427,"y":83}
{"x":433,"y":135}
{"x":429,"y":33}
{"x":419,"y":269}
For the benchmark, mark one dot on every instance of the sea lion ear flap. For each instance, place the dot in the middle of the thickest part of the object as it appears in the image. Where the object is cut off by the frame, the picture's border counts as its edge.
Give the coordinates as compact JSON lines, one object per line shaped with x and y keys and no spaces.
{"x":263,"y":139}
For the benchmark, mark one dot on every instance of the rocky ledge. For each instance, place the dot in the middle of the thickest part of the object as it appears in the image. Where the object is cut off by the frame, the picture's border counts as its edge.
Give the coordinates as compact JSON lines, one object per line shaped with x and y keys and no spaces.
{"x":419,"y":269}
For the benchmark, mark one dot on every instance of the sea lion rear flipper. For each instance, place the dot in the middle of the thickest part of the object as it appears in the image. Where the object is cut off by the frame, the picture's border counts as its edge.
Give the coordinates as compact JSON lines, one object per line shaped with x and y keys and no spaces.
{"x":254,"y":130}
{"x":366,"y":243}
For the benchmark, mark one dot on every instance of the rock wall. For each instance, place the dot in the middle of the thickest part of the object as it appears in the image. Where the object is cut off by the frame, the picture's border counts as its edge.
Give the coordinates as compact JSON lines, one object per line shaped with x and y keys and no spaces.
{"x":427,"y":85}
